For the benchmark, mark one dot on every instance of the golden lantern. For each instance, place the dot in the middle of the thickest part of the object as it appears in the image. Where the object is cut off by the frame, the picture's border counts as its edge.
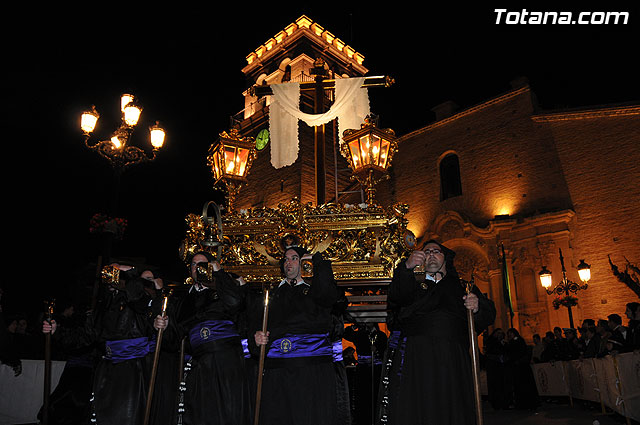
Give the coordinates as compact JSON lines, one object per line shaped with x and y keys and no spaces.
{"x":230,"y":159}
{"x":369,"y":151}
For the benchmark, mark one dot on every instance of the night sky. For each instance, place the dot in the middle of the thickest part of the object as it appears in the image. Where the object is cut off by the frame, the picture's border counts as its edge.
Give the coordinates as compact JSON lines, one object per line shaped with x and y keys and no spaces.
{"x":184,"y":65}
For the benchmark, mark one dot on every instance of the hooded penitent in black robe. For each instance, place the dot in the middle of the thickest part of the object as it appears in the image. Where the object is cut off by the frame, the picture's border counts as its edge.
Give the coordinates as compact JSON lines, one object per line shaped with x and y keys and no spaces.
{"x":300,"y":380}
{"x":430,"y":380}
{"x":123,"y":330}
{"x":69,"y":402}
{"x":215,"y":390}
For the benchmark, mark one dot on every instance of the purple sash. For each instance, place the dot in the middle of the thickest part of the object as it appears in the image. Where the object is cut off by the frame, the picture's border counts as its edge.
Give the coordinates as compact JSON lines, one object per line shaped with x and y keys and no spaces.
{"x":127,"y":349}
{"x":303,"y":345}
{"x":211,"y":330}
{"x":337,"y":351}
{"x":394,"y":339}
{"x":245,"y":348}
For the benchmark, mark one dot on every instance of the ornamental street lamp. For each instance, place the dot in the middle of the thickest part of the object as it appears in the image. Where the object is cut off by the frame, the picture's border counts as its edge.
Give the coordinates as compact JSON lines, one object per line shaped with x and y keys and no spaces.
{"x":566,"y":287}
{"x":369,"y":152}
{"x":117,"y":149}
{"x":230,"y":159}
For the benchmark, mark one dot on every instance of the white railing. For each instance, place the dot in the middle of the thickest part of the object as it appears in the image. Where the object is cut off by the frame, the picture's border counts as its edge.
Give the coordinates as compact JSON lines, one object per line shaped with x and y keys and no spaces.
{"x":613,"y":381}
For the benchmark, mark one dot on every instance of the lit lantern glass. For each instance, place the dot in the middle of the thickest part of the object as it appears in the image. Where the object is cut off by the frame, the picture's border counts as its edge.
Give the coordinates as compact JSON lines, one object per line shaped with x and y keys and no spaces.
{"x":545,"y":278}
{"x":157,"y":136}
{"x":384,"y":153}
{"x":230,"y":157}
{"x":369,"y":150}
{"x":125,"y":99}
{"x":132,"y":114}
{"x":584,"y":271}
{"x":116,"y":142}
{"x":89,"y":120}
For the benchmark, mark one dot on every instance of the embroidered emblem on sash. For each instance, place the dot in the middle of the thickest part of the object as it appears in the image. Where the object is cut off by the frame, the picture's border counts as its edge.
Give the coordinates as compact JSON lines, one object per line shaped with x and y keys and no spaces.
{"x":204,"y":333}
{"x":108,"y":352}
{"x":285,"y":345}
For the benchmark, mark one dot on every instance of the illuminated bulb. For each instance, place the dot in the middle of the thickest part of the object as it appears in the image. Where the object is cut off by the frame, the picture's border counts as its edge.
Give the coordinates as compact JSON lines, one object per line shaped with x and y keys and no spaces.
{"x":545,"y":277}
{"x":157,"y":136}
{"x":584,"y":271}
{"x":125,"y":100}
{"x":89,"y":120}
{"x":116,"y":142}
{"x":131,"y":114}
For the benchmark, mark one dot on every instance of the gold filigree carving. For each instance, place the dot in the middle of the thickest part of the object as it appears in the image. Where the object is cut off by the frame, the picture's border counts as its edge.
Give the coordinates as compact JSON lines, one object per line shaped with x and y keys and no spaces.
{"x":363,"y":242}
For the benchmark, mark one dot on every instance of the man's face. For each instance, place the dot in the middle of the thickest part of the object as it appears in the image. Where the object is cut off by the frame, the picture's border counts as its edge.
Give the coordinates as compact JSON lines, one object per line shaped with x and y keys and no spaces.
{"x":292,"y":265}
{"x":197,"y":259}
{"x":435,"y":258}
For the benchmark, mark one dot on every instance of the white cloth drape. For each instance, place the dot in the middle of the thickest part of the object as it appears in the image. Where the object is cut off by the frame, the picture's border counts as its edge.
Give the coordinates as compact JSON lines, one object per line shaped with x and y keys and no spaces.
{"x":351,"y":106}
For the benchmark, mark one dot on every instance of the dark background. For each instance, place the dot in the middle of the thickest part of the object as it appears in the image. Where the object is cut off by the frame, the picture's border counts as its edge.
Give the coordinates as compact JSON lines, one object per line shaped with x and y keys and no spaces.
{"x":183,"y":62}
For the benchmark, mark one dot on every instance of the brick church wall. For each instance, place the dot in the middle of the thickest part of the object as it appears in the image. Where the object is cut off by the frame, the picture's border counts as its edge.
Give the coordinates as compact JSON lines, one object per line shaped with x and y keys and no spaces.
{"x":600,"y":158}
{"x":507,"y":166}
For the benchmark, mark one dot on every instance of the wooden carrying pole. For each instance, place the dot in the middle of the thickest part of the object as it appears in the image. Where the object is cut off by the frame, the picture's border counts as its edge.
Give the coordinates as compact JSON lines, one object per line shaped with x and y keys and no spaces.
{"x":263,"y":349}
{"x":474,"y":359}
{"x":154,"y":370}
{"x":47,"y":368}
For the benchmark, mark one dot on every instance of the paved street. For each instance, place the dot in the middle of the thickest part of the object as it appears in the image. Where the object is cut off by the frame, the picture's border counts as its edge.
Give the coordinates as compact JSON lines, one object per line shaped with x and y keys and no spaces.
{"x":560,"y":413}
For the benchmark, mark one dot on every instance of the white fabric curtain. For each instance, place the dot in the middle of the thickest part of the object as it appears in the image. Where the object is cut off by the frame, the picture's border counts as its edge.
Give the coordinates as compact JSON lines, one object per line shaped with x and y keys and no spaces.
{"x":351,"y":106}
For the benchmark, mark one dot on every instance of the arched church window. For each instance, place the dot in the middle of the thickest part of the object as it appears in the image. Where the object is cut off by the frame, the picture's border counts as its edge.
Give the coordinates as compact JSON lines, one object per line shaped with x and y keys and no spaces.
{"x":450,"y":184}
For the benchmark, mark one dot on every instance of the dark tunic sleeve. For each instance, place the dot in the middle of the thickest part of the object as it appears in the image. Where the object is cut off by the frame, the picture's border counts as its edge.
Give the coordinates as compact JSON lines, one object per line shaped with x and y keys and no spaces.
{"x":439,"y":308}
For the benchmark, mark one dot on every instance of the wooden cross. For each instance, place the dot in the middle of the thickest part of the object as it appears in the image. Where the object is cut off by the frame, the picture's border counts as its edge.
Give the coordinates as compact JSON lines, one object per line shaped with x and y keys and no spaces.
{"x":318,"y":86}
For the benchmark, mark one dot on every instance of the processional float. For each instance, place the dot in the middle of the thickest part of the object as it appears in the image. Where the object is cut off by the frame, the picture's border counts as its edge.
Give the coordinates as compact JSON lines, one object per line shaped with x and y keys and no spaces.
{"x":364,"y":242}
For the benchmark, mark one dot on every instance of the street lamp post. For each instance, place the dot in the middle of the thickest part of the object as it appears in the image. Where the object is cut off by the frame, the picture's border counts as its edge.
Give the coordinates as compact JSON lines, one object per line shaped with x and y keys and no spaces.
{"x":566,"y":287}
{"x":117,"y":149}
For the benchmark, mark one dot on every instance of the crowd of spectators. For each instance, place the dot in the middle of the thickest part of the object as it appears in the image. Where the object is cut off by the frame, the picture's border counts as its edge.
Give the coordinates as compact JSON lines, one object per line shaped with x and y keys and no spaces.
{"x":594,"y":338}
{"x":507,"y":358}
{"x":21,"y":336}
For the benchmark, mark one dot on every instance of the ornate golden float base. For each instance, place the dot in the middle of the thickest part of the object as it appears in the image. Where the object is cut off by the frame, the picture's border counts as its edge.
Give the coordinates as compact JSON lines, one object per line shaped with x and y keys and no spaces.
{"x":364,"y":242}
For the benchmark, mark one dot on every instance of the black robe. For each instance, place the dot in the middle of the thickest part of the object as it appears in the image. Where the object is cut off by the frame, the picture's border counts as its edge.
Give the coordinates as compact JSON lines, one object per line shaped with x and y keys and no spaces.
{"x":299,"y":390}
{"x":431,"y":377}
{"x":121,"y":315}
{"x":69,"y":402}
{"x":525,"y":392}
{"x":215,"y":389}
{"x":499,"y":383}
